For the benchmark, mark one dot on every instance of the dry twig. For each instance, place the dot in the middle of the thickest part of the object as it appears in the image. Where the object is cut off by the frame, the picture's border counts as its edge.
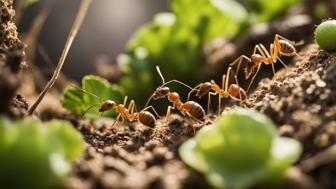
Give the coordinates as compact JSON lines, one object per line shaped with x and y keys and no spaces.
{"x":73,"y":32}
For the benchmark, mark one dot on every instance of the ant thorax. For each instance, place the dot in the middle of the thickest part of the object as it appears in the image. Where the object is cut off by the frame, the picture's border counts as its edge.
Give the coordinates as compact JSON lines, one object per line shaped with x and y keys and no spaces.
{"x":121,"y":108}
{"x":174,"y":97}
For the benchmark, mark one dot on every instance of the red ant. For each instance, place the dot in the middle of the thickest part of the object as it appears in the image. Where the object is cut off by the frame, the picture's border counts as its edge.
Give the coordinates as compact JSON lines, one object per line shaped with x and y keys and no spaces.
{"x":233,"y":91}
{"x":280,"y":46}
{"x":130,"y":113}
{"x":190,"y":108}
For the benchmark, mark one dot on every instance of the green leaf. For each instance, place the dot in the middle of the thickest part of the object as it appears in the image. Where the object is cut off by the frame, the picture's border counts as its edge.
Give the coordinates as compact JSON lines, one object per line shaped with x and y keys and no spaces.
{"x":35,"y":155}
{"x":174,"y":41}
{"x":266,"y":10}
{"x":78,"y":101}
{"x":165,"y":43}
{"x":224,"y":17}
{"x":240,"y":150}
{"x":64,"y":138}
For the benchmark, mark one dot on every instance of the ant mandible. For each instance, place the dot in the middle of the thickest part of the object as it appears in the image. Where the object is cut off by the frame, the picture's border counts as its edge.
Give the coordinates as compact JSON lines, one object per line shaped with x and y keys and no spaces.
{"x":130,"y":113}
{"x":233,"y":91}
{"x":280,"y":46}
{"x":190,"y":108}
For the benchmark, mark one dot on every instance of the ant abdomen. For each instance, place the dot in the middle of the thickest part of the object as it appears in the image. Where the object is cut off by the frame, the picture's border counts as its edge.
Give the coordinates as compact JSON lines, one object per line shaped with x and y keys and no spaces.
{"x":237,"y":93}
{"x":287,"y":48}
{"x":147,"y":118}
{"x":194,"y":109}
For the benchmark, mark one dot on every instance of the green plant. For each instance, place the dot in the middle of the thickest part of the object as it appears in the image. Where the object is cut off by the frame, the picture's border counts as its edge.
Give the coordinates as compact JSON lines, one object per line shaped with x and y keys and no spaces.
{"x":266,"y":10}
{"x":240,"y":150}
{"x":35,"y":155}
{"x":174,"y":41}
{"x":77,"y":101}
{"x":325,"y":35}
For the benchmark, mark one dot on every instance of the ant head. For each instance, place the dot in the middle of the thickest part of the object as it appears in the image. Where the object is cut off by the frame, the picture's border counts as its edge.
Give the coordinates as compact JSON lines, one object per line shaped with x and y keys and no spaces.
{"x":203,"y":89}
{"x":107,"y":105}
{"x":161,"y":92}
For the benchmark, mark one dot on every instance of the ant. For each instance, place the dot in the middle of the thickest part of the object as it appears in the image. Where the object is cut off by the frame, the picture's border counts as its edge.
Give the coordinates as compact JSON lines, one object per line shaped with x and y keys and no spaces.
{"x":190,"y":108}
{"x":233,"y":91}
{"x":130,"y":113}
{"x":280,"y":46}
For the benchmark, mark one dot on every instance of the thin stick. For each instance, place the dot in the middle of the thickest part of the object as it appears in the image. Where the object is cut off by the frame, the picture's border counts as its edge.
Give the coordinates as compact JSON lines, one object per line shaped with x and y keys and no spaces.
{"x":73,"y":32}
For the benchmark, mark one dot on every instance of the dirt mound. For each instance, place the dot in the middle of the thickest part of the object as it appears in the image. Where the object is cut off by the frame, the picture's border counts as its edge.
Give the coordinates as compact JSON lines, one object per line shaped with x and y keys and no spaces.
{"x":299,"y":99}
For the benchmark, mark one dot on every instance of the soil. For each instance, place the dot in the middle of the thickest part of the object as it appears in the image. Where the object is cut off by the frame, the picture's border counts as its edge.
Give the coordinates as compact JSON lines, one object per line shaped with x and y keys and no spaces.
{"x":11,"y":57}
{"x":299,"y":99}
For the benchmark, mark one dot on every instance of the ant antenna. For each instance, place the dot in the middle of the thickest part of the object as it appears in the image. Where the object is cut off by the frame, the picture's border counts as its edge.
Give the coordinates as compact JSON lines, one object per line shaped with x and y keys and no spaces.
{"x":87,"y":92}
{"x":82,"y":115}
{"x":149,"y":99}
{"x":159,"y":72}
{"x":171,"y":81}
{"x":84,"y":91}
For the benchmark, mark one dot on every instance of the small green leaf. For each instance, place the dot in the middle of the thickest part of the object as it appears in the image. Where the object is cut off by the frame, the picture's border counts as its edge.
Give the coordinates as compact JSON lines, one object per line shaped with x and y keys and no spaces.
{"x":78,"y":101}
{"x":66,"y":139}
{"x":224,"y":17}
{"x":240,"y":150}
{"x":35,"y":155}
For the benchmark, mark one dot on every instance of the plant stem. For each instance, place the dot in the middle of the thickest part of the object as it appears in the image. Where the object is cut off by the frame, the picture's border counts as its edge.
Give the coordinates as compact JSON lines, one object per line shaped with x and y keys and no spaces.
{"x":73,"y":32}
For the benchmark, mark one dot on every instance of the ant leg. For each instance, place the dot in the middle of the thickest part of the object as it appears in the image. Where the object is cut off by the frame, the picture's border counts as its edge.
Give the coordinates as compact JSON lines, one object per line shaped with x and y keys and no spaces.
{"x":168,"y":114}
{"x":193,"y":118}
{"x":192,"y":90}
{"x":219,"y":104}
{"x":277,"y":36}
{"x":131,"y":107}
{"x":149,"y":99}
{"x":264,"y":50}
{"x":273,"y":68}
{"x":238,"y":61}
{"x":227,"y":79}
{"x":248,"y":88}
{"x":125,"y":100}
{"x":116,"y":120}
{"x":223,"y":80}
{"x":209,"y":100}
{"x":282,"y":62}
{"x":152,"y":108}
